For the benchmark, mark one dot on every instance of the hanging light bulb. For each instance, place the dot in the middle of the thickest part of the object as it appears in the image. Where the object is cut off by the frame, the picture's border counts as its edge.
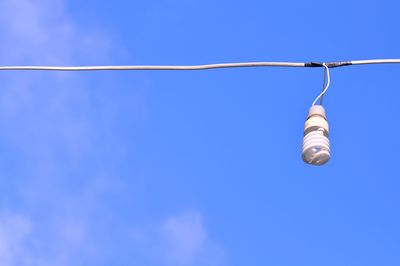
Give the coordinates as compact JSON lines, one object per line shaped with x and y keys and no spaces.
{"x":316,"y":149}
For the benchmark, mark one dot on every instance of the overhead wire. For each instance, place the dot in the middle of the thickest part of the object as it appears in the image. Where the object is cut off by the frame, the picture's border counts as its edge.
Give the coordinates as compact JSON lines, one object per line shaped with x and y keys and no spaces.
{"x":201,"y":67}
{"x":325,"y":65}
{"x":375,"y":61}
{"x":151,"y":67}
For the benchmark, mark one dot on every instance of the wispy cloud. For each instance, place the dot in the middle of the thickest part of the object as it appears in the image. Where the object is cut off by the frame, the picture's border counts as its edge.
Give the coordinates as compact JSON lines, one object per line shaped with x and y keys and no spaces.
{"x":14,"y":232}
{"x":180,"y":240}
{"x":48,"y":128}
{"x":43,"y":33}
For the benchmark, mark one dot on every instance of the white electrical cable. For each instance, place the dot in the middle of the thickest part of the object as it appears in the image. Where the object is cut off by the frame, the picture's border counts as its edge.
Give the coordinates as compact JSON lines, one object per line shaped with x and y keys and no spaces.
{"x":202,"y":67}
{"x":328,"y":76}
{"x":194,"y":67}
{"x":375,"y":61}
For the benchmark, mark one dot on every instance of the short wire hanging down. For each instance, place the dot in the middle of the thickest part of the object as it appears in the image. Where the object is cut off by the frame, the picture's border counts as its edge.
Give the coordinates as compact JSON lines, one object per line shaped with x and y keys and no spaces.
{"x":328,"y":82}
{"x":323,"y":87}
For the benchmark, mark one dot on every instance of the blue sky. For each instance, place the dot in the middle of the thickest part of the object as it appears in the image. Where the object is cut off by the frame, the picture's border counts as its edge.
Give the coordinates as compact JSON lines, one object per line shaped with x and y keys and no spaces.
{"x":197,"y":168}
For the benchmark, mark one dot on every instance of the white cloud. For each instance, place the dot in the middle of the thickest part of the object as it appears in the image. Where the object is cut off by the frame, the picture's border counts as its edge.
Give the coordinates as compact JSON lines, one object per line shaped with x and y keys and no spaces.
{"x":44,"y":110}
{"x":180,"y":240}
{"x":185,"y":237}
{"x":47,"y":122}
{"x":66,"y":235}
{"x":14,"y":231}
{"x":42,"y":32}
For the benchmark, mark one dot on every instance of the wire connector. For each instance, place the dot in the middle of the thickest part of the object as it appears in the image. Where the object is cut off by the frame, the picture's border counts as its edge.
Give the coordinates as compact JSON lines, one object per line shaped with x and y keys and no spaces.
{"x":339,"y":64}
{"x":329,"y":64}
{"x":314,"y":64}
